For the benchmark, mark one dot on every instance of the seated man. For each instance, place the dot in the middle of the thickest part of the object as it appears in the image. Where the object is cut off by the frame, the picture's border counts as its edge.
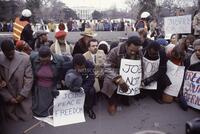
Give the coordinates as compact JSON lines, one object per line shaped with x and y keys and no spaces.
{"x":153,"y":53}
{"x":83,"y":69}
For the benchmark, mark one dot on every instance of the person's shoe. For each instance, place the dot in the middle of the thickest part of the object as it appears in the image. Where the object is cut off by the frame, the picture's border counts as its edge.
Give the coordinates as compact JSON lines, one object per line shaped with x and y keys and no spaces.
{"x":91,"y":114}
{"x":183,"y":103}
{"x":158,"y":100}
{"x":112,"y":108}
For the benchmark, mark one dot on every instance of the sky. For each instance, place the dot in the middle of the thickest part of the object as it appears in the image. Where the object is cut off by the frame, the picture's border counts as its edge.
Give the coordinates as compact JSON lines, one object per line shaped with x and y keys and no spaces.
{"x":98,"y":4}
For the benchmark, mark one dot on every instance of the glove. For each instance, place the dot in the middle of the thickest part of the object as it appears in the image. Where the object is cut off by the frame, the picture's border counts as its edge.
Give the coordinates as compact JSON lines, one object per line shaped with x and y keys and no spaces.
{"x":55,"y":93}
{"x":146,"y":82}
{"x":20,"y":98}
{"x":124,"y":87}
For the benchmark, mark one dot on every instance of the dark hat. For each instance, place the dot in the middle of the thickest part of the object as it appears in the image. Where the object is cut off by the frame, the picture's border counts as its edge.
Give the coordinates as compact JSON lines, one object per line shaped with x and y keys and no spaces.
{"x":135,"y":40}
{"x":162,"y":42}
{"x":73,"y":80}
{"x":44,"y":51}
{"x":40,"y":33}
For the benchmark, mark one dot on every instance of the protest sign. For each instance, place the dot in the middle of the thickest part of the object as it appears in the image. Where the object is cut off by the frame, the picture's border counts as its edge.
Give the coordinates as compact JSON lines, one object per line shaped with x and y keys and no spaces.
{"x":191,"y":90}
{"x":178,"y":24}
{"x":175,"y":74}
{"x":67,"y":109}
{"x":130,"y":70}
{"x":150,"y":67}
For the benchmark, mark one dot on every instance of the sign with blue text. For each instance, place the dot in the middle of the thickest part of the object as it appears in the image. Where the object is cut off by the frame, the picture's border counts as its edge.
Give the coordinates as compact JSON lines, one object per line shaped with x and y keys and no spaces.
{"x":191,"y":90}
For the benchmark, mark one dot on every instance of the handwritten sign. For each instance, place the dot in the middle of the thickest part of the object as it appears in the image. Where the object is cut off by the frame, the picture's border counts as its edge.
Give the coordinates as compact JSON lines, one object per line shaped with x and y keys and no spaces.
{"x":178,"y":24}
{"x":150,"y":67}
{"x":130,"y":70}
{"x":191,"y":90}
{"x":68,"y":109}
{"x":175,"y":74}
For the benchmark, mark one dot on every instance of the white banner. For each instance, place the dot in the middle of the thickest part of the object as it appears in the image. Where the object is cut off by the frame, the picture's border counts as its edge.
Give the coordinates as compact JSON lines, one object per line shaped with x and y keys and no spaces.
{"x":68,"y":109}
{"x":191,"y":90}
{"x":175,"y":74}
{"x":150,"y":68}
{"x":130,"y":70}
{"x":178,"y":24}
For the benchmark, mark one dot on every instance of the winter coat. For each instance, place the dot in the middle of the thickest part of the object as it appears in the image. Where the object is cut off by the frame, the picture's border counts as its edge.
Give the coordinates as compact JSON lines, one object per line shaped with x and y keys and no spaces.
{"x":19,"y":78}
{"x":112,"y":66}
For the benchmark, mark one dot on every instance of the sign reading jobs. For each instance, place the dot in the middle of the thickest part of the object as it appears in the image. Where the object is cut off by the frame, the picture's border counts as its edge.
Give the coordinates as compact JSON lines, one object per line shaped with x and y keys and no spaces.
{"x":131,"y":73}
{"x":178,"y":24}
{"x":191,"y":89}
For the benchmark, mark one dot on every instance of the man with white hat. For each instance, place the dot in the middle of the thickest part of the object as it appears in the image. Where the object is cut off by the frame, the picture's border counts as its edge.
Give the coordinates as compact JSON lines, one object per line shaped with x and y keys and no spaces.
{"x":22,"y":29}
{"x":143,"y":22}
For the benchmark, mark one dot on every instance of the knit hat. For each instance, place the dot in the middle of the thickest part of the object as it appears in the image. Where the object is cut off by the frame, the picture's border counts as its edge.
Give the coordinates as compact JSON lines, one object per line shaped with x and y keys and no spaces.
{"x":20,"y":44}
{"x":44,"y":51}
{"x":162,"y":42}
{"x":196,"y":44}
{"x":60,"y":34}
{"x":73,"y":80}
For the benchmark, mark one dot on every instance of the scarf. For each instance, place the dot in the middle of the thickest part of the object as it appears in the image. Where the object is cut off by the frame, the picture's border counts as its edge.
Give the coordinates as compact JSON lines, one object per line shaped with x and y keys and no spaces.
{"x":58,"y":49}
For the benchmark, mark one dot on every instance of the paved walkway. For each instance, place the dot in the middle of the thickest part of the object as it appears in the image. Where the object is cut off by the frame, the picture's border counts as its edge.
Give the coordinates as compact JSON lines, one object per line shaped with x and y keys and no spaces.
{"x":145,"y":114}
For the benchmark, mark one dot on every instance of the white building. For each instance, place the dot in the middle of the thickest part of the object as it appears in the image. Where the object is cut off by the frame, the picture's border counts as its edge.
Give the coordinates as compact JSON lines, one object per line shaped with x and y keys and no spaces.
{"x":84,"y":12}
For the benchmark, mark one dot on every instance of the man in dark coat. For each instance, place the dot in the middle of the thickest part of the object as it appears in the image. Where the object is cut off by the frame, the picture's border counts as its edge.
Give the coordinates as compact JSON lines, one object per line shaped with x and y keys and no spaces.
{"x":22,"y":24}
{"x":85,"y":69}
{"x":153,"y":52}
{"x":82,"y":45}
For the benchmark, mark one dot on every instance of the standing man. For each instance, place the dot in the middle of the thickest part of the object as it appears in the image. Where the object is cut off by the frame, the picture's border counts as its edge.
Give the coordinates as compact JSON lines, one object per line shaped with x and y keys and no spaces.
{"x":22,"y":29}
{"x":143,"y":22}
{"x":82,"y":45}
{"x":97,"y":57}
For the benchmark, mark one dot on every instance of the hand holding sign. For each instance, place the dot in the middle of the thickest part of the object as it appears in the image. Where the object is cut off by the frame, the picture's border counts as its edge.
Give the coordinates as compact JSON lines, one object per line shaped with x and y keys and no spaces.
{"x":130,"y":80}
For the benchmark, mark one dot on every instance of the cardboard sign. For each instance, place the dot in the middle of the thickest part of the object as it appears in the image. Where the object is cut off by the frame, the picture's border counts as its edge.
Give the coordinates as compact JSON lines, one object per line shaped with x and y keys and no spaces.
{"x":68,"y":109}
{"x":150,"y":67}
{"x":191,"y":90}
{"x":175,"y":74}
{"x":131,"y":73}
{"x":178,"y":24}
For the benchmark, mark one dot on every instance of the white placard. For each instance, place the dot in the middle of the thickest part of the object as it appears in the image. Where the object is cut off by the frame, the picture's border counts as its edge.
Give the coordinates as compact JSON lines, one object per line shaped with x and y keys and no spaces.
{"x":130,"y":70}
{"x":175,"y":74}
{"x":191,"y":89}
{"x":68,"y":109}
{"x":178,"y":24}
{"x":150,"y":67}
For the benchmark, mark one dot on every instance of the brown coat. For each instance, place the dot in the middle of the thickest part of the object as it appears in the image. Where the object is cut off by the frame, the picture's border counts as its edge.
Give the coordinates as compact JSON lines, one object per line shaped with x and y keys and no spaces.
{"x":111,"y":68}
{"x":19,"y":78}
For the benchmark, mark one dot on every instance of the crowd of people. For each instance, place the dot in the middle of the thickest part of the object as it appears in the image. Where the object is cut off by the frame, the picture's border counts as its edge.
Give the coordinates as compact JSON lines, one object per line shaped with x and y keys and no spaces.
{"x":33,"y":71}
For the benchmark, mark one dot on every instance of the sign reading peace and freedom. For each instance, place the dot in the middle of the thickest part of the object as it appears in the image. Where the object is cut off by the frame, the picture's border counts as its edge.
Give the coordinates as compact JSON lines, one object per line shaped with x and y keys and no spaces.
{"x":150,"y":67}
{"x":191,"y":90}
{"x":67,"y":109}
{"x":131,"y":73}
{"x":178,"y":24}
{"x":175,"y":74}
